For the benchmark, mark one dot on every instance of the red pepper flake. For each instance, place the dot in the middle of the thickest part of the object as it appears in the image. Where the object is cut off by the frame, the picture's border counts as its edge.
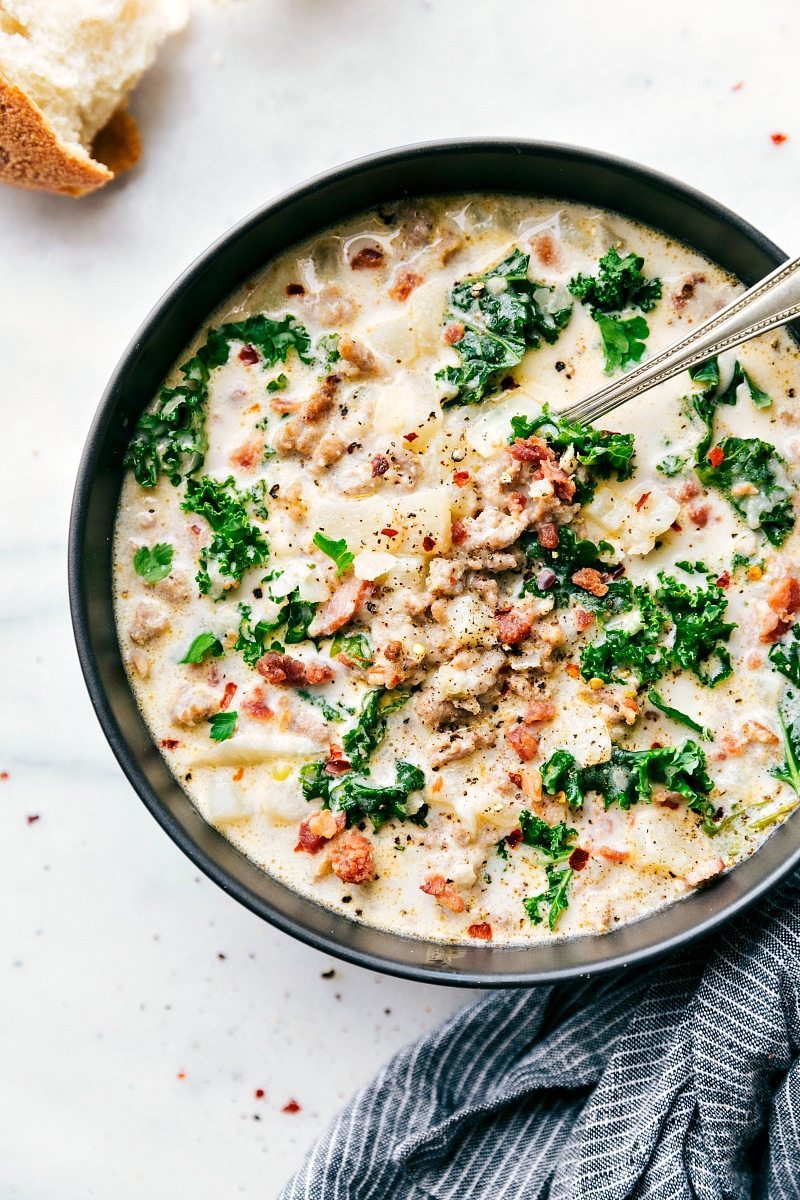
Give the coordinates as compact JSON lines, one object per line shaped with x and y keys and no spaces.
{"x":389,"y":532}
{"x":170,"y":743}
{"x":410,"y":437}
{"x":259,"y":1093}
{"x":481,"y":931}
{"x":579,"y":858}
{"x":238,"y":774}
{"x":458,"y":532}
{"x":724,"y":580}
{"x":428,"y":543}
{"x":230,"y":691}
{"x":33,"y":818}
{"x":716,"y":455}
{"x":4,"y":775}
{"x":461,"y":478}
{"x":514,"y":838}
{"x":676,"y":527}
{"x":291,"y":1106}
{"x":195,"y":529}
{"x":778,"y":139}
{"x":295,"y":289}
{"x":248,"y":354}
{"x":572,"y":670}
{"x":181,"y":1075}
{"x":737,"y":87}
{"x":640,"y":503}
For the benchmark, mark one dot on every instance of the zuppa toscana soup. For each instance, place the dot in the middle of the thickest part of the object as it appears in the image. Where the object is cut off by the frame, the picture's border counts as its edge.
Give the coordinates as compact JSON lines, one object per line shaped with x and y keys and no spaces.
{"x":426,"y":651}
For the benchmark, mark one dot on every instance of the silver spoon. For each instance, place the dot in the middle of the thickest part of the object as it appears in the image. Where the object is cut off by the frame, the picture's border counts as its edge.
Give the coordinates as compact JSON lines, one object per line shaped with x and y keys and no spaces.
{"x":770,"y":303}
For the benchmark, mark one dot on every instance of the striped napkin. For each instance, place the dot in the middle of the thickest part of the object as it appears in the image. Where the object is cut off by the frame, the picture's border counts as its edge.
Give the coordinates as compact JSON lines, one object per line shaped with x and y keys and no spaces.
{"x":678,"y":1080}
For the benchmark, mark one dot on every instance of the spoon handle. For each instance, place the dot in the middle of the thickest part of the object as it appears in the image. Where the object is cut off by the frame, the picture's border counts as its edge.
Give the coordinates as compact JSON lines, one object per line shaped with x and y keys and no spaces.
{"x":770,"y":303}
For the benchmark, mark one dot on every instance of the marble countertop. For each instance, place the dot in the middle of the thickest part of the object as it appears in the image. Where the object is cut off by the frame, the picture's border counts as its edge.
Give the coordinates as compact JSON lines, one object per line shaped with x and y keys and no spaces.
{"x":142,"y":1009}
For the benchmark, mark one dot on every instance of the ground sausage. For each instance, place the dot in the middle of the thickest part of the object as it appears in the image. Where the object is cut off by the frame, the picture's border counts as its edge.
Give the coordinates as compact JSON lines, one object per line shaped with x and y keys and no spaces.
{"x":285,"y":671}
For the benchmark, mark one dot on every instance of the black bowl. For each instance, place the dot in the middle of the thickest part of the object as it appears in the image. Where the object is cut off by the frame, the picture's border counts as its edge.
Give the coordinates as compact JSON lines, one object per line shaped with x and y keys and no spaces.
{"x":537,"y":169}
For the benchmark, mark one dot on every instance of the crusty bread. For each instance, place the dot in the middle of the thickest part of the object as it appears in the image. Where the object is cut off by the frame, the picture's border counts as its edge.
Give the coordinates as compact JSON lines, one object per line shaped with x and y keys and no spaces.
{"x":66,"y":67}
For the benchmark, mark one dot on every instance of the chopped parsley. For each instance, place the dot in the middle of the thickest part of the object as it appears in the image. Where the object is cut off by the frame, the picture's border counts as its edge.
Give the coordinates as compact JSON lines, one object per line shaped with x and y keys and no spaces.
{"x":236,"y":544}
{"x":153,"y":563}
{"x":330,"y":711}
{"x":223,"y":726}
{"x":618,"y":285}
{"x":600,"y":453}
{"x":681,"y":717}
{"x":336,"y":549}
{"x":205,"y":645}
{"x":171,"y":439}
{"x":629,"y":775}
{"x":504,"y":314}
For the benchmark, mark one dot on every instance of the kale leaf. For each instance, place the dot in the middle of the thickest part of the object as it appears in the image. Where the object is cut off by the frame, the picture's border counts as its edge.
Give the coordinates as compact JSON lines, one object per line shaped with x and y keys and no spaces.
{"x":618,"y":284}
{"x":330,"y":711}
{"x":555,"y":898}
{"x":785,"y":657}
{"x":236,"y":544}
{"x":571,"y":555}
{"x":503,"y":314}
{"x":628,"y":777}
{"x":171,"y":439}
{"x":681,"y":717}
{"x":153,"y":563}
{"x":293,"y":619}
{"x":600,"y":453}
{"x":363,"y":739}
{"x":355,"y":646}
{"x":223,"y":726}
{"x":203,"y":646}
{"x":624,"y":648}
{"x":755,"y":465}
{"x":554,"y":841}
{"x":624,"y":340}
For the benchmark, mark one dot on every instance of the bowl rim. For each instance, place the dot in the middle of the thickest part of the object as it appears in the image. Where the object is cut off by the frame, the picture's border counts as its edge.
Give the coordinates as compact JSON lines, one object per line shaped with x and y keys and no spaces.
{"x":432,"y":971}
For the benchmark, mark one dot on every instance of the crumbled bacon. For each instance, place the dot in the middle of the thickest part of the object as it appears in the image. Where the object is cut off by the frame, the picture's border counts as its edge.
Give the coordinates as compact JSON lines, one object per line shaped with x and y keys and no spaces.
{"x":170,"y":743}
{"x":784,"y":600}
{"x":591,"y":581}
{"x":454,"y":333}
{"x":724,"y":580}
{"x":428,"y":543}
{"x":547,"y":535}
{"x":248,"y":455}
{"x":612,"y":854}
{"x":512,"y":625}
{"x":341,"y":608}
{"x":578,"y":859}
{"x":482,"y":931}
{"x":352,"y":858}
{"x":524,"y":741}
{"x":283,"y":670}
{"x":380,"y":465}
{"x":699,"y":514}
{"x":318,"y":828}
{"x":367,"y":259}
{"x":443,"y":892}
{"x":255,"y":707}
{"x":404,"y":285}
{"x":583,"y":619}
{"x":538,"y":711}
{"x":248,"y":354}
{"x":458,"y":533}
{"x":227,"y":695}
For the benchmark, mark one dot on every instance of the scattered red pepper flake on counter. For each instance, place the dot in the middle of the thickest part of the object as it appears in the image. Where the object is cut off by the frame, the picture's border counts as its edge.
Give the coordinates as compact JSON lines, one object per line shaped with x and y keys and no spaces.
{"x":778,"y":139}
{"x":4,"y":775}
{"x":291,"y":1107}
{"x":33,"y":818}
{"x":737,"y":87}
{"x":389,"y":532}
{"x":716,"y":455}
{"x":230,"y":691}
{"x":181,"y":1075}
{"x":259,"y":1093}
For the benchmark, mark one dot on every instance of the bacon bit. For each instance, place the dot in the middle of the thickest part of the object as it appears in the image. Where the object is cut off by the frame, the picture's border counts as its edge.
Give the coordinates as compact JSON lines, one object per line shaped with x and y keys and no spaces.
{"x":724,"y":580}
{"x":482,"y":931}
{"x":458,"y":532}
{"x":612,"y":854}
{"x":545,"y":579}
{"x":428,"y":543}
{"x":524,"y":741}
{"x":393,"y":651}
{"x":514,"y":838}
{"x":367,"y":259}
{"x":259,"y":1092}
{"x":195,"y":529}
{"x":317,"y":829}
{"x":291,"y":1106}
{"x":380,"y":465}
{"x":444,"y":893}
{"x":516,"y":779}
{"x":583,"y":619}
{"x":405,"y":284}
{"x":573,"y":670}
{"x":669,"y":802}
{"x":461,"y":478}
{"x":283,"y":670}
{"x":778,"y":139}
{"x":784,"y":598}
{"x":716,"y":455}
{"x":754,"y":731}
{"x":545,"y":249}
{"x":392,"y":533}
{"x":295,"y":289}
{"x":516,"y":502}
{"x":410,"y":437}
{"x":640,"y":503}
{"x":698,"y":515}
{"x":755,"y":660}
{"x":512,"y":625}
{"x":591,"y":581}
{"x":255,"y":707}
{"x":248,"y":455}
{"x":676,"y":527}
{"x":454,"y":333}
{"x":248,"y":354}
{"x":230,"y":691}
{"x":547,"y":535}
{"x":531,"y":450}
{"x":170,"y":743}
{"x":4,"y":775}
{"x":342,"y":606}
{"x":336,"y":766}
{"x":538,"y":711}
{"x":579,"y":858}
{"x":352,"y":859}
{"x":33,"y":818}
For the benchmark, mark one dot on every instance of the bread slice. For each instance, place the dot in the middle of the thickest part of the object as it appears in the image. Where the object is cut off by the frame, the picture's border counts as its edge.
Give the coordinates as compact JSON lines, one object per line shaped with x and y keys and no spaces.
{"x":66,"y":67}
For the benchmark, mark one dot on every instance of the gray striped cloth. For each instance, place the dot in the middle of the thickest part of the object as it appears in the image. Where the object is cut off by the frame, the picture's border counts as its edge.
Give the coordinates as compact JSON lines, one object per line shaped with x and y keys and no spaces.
{"x":679,"y":1080}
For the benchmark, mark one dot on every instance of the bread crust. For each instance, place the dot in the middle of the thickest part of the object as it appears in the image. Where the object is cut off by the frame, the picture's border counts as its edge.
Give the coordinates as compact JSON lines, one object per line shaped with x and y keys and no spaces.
{"x":33,"y":156}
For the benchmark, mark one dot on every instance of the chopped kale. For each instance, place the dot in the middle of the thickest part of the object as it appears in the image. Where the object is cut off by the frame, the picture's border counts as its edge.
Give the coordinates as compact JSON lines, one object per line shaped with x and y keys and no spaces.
{"x":571,"y":555}
{"x":292,"y":620}
{"x":672,"y":464}
{"x":278,"y":383}
{"x":785,"y":657}
{"x":363,"y":739}
{"x":153,"y":563}
{"x":357,"y":797}
{"x":327,"y":350}
{"x":629,"y":775}
{"x":223,"y":726}
{"x":624,"y":341}
{"x":681,"y":717}
{"x":618,"y":284}
{"x":171,"y":439}
{"x":205,"y":645}
{"x":504,"y":314}
{"x":336,"y":549}
{"x":330,"y":711}
{"x":600,"y":453}
{"x":633,"y":649}
{"x":555,"y":898}
{"x":355,"y":646}
{"x":554,"y":841}
{"x":755,"y":466}
{"x":236,"y":544}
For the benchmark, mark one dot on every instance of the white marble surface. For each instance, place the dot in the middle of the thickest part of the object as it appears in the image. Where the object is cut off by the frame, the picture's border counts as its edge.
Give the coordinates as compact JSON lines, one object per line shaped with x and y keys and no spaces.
{"x":120,"y":969}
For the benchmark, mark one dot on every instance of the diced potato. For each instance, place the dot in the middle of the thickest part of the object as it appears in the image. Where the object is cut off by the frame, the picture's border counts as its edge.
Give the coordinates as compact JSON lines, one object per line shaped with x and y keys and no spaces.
{"x":424,"y":514}
{"x":471,"y":621}
{"x":226,"y":801}
{"x":248,"y":749}
{"x":394,"y":338}
{"x":405,"y":406}
{"x":358,"y":521}
{"x":303,"y":576}
{"x":372,"y":564}
{"x":613,"y":514}
{"x":660,"y":839}
{"x":425,"y":311}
